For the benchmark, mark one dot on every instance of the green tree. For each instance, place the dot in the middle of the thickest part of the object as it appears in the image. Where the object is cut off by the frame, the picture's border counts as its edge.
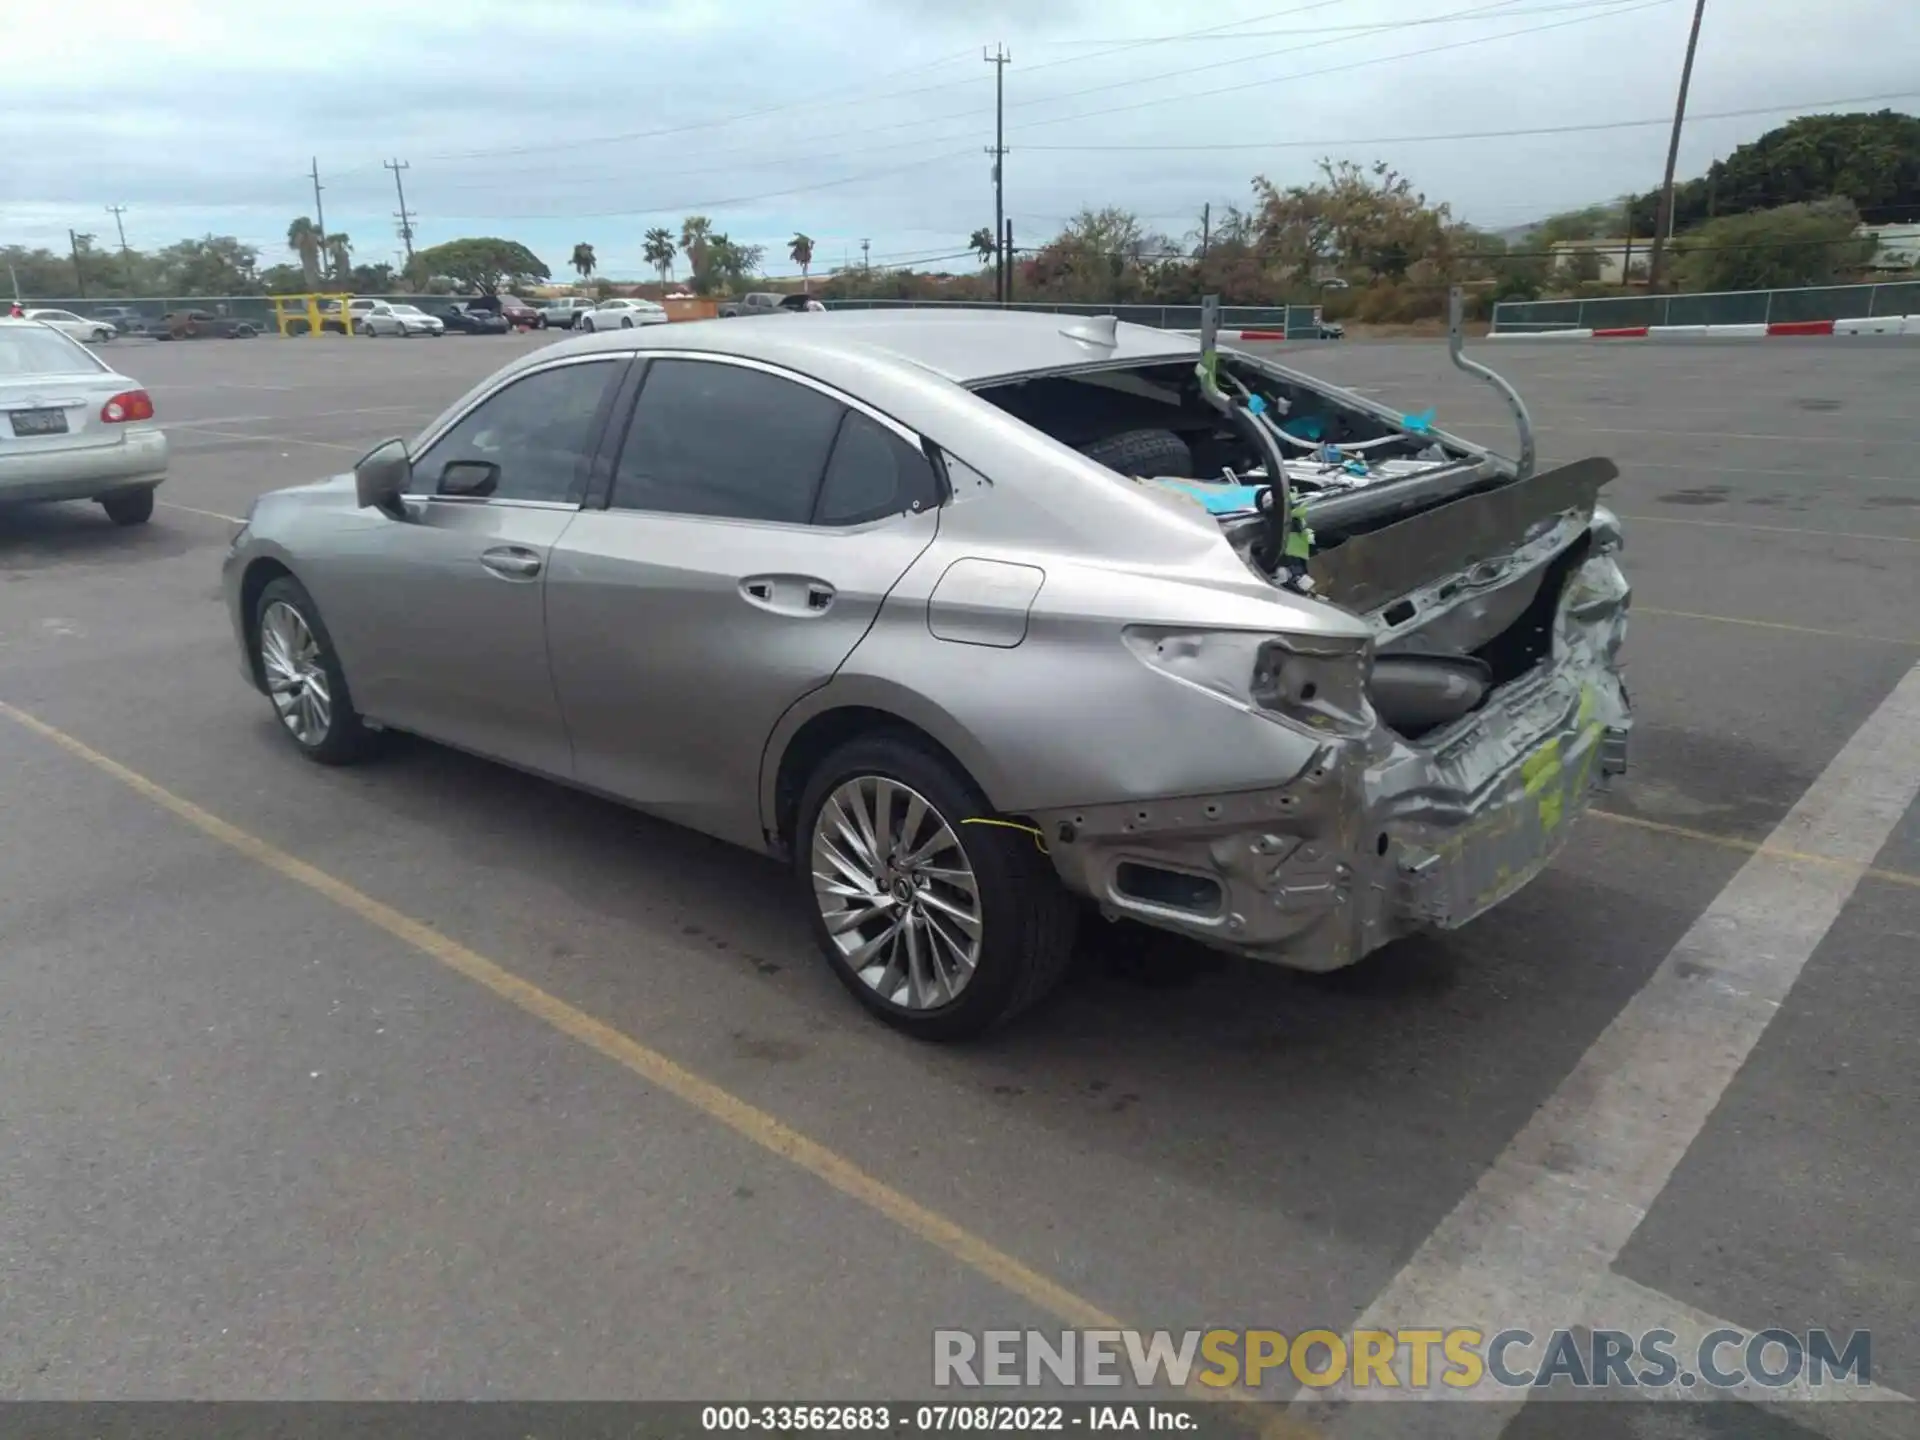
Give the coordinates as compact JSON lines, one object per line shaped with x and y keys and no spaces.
{"x":695,"y":231}
{"x":583,"y":261}
{"x":339,"y":258}
{"x":1770,"y":249}
{"x":728,"y":266}
{"x":1368,"y":220}
{"x":306,"y":241}
{"x":211,"y":265}
{"x":1870,"y":159}
{"x":373,"y":279}
{"x":483,"y":263}
{"x":982,"y":243}
{"x":659,"y":251}
{"x":801,"y":249}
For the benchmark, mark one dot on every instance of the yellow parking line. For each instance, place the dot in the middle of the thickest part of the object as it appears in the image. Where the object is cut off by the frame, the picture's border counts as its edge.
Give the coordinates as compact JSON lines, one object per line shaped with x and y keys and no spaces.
{"x":1773,"y":625}
{"x":1754,"y":847}
{"x":745,"y":1119}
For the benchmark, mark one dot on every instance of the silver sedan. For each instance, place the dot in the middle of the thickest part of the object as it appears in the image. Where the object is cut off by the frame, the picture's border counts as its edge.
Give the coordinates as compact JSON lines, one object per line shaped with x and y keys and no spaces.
{"x":72,"y":428}
{"x":984,"y":622}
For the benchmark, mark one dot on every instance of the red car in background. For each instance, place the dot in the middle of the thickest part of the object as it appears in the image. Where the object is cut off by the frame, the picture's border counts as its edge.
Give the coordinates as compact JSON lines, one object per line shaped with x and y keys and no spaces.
{"x":512,"y":309}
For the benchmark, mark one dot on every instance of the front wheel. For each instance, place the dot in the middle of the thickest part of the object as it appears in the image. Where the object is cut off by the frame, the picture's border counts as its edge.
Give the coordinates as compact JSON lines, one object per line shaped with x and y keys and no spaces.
{"x":939,"y":926}
{"x":100,"y":337}
{"x":626,"y":322}
{"x":294,"y":657}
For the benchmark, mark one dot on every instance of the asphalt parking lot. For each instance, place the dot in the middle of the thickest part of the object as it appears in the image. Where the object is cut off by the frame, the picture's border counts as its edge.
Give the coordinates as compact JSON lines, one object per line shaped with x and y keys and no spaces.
{"x":428,"y":1079}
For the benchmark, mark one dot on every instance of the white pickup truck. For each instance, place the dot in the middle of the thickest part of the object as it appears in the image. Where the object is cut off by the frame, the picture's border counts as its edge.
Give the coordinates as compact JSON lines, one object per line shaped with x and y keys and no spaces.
{"x":565,"y":311}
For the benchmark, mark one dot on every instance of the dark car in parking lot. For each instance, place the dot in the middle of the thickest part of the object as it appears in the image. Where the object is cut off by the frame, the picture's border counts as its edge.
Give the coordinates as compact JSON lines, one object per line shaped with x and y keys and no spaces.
{"x":201,"y":325}
{"x":124,"y":318}
{"x":464,"y":317}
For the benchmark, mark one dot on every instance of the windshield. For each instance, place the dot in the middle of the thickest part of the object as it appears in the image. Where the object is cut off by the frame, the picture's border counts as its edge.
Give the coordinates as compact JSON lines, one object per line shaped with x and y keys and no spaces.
{"x":30,"y":350}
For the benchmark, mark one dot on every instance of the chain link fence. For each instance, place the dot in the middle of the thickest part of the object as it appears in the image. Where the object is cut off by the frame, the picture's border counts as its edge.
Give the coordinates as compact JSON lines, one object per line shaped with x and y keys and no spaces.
{"x":1733,"y":307}
{"x":1299,"y":322}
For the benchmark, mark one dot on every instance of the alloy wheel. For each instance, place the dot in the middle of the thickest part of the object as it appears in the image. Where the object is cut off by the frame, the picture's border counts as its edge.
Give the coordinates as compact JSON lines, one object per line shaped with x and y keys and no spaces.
{"x":296,"y":678}
{"x":898,"y":896}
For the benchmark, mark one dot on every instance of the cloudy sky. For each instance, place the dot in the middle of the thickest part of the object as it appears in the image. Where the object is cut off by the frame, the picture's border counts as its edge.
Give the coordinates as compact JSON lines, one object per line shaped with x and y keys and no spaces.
{"x":568,"y":120}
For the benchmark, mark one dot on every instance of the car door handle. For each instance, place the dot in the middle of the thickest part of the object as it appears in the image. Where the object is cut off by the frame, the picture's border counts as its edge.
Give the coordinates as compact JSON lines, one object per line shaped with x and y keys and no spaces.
{"x":511,"y":562}
{"x":798,"y":595}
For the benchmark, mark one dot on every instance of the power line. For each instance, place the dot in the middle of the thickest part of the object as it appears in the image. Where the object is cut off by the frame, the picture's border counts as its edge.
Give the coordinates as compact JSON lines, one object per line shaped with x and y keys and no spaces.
{"x":1323,"y":70}
{"x":1614,"y":7}
{"x":828,"y":98}
{"x":1372,"y":25}
{"x":1489,"y":134}
{"x":715,"y":204}
{"x":858,"y":97}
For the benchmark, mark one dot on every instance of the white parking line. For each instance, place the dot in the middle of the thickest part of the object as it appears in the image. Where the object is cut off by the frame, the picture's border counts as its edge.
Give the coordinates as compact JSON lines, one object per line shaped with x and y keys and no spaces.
{"x":1627,"y":1305}
{"x":192,"y":510}
{"x":267,"y":439}
{"x":1548,"y":1219}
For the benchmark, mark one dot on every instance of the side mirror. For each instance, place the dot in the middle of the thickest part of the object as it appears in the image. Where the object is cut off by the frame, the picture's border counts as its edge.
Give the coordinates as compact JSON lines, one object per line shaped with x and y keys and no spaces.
{"x":475,"y":478}
{"x":381,"y":477}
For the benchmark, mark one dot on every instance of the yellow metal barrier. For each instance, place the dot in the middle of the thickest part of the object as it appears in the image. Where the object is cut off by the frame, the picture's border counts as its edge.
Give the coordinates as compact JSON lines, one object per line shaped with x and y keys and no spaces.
{"x":292,"y":310}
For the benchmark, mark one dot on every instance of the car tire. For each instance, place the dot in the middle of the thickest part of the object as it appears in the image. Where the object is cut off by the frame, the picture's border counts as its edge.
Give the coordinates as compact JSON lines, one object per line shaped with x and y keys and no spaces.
{"x":100,"y":337}
{"x":129,"y":507}
{"x":1024,"y":917}
{"x":363,"y":329}
{"x":342,"y":738}
{"x":626,"y":322}
{"x":1142,"y":453}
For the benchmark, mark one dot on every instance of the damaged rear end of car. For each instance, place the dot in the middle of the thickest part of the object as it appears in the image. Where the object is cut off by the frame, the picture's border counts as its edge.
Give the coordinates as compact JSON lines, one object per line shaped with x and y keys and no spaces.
{"x":1426,"y":763}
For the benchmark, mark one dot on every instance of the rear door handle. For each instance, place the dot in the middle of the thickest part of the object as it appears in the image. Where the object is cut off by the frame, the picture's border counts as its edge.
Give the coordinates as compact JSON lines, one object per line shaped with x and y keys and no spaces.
{"x":512,"y":562}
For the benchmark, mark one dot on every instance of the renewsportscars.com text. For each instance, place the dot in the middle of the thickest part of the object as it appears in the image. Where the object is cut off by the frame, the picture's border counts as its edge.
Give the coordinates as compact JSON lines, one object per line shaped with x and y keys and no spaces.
{"x":1460,"y":1358}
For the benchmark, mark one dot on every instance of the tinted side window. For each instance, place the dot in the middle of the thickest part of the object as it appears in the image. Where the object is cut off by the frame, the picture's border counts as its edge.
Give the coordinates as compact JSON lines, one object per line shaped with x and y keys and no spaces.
{"x":538,"y":430}
{"x":723,"y":440}
{"x":873,"y":473}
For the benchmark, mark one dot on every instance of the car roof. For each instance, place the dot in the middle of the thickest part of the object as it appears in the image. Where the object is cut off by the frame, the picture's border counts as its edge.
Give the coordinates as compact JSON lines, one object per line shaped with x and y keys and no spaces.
{"x":963,"y":345}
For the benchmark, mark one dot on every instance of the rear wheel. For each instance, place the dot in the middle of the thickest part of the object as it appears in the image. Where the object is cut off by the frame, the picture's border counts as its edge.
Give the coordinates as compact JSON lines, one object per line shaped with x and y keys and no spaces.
{"x":940,"y":927}
{"x":626,"y":322}
{"x":295,"y":660}
{"x":129,"y":507}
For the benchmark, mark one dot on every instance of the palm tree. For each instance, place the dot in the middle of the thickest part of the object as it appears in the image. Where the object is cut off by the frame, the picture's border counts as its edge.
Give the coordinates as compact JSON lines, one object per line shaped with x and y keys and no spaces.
{"x":340,"y":256}
{"x":694,"y":233}
{"x":583,"y":261}
{"x":659,"y":251}
{"x":801,"y":249}
{"x":304,"y":239}
{"x":982,"y":244}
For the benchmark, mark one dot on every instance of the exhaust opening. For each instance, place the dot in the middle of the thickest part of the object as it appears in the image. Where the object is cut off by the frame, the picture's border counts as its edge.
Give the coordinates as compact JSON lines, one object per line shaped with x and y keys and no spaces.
{"x":1167,"y":889}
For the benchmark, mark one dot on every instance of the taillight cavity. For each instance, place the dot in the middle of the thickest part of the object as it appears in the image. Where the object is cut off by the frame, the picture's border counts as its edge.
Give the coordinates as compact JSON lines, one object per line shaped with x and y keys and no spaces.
{"x":127,"y":405}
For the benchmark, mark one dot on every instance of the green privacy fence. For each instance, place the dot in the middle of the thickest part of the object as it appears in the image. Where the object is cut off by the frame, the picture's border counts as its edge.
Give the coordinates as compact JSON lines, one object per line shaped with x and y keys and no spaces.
{"x":1298,"y":321}
{"x":1732,"y":307}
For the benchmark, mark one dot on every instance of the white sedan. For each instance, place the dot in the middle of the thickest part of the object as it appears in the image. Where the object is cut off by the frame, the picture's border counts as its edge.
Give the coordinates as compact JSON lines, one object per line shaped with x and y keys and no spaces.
{"x":622,"y":315}
{"x":78,"y":326}
{"x":383,"y":317}
{"x":72,"y":429}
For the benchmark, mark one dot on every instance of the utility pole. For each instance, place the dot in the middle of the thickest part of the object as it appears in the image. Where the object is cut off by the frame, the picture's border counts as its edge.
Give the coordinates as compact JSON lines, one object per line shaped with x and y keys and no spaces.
{"x":864,"y":244}
{"x":406,"y":220}
{"x":126,"y":255}
{"x":1006,"y":249}
{"x":79,"y":275}
{"x":1206,"y":227}
{"x":319,"y":211}
{"x":1663,"y":220}
{"x":1002,"y":272}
